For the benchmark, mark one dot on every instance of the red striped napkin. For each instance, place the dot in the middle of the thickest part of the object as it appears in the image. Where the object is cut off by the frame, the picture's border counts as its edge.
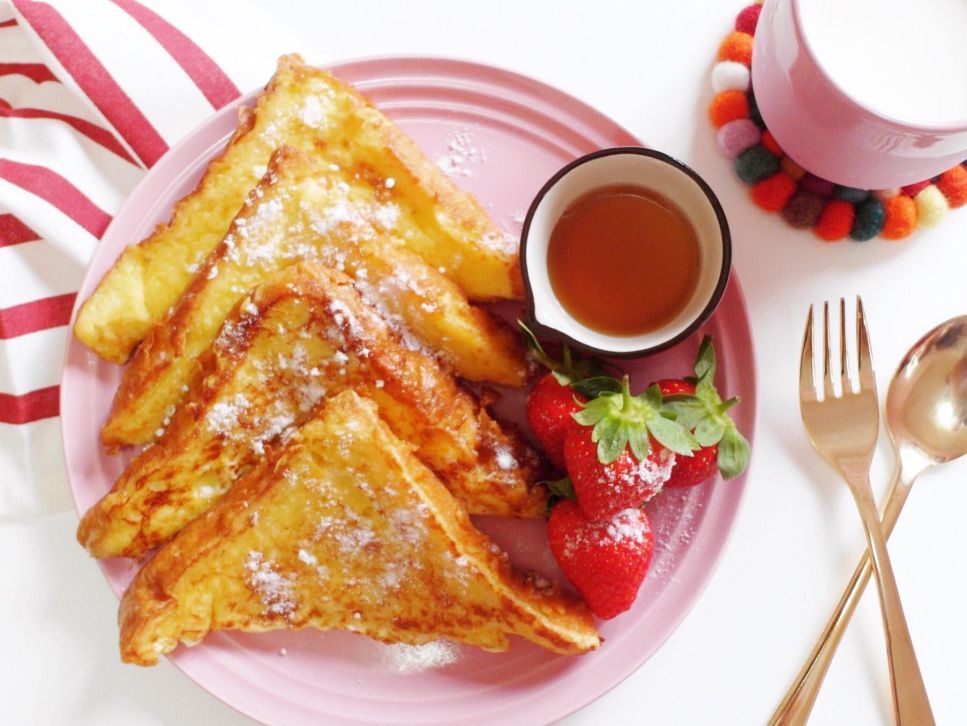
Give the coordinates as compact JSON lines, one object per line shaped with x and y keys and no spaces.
{"x":91,"y":95}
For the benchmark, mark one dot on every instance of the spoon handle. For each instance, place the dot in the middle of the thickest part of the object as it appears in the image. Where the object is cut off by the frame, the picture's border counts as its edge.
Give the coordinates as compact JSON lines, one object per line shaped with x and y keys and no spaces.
{"x":798,"y":702}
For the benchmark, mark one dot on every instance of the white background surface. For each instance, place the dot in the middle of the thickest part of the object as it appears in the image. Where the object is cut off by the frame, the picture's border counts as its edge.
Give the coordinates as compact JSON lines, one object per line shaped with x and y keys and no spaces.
{"x":646,"y":64}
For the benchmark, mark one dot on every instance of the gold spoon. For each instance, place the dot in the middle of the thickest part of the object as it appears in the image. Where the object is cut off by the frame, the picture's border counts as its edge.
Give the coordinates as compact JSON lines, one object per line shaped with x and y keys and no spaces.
{"x":926,"y":416}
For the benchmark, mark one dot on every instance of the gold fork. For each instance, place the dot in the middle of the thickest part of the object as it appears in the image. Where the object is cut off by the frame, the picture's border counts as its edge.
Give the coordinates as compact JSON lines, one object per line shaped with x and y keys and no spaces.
{"x":843,"y":428}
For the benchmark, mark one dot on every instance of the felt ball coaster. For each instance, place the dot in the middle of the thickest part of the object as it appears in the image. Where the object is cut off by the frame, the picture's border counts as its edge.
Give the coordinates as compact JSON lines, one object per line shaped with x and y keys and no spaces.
{"x":779,"y":184}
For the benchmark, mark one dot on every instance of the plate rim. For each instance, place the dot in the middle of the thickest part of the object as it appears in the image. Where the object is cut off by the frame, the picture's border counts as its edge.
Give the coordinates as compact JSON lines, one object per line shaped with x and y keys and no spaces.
{"x":709,"y":566}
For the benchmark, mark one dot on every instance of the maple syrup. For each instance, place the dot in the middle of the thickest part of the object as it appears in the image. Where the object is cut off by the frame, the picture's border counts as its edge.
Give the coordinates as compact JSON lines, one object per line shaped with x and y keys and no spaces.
{"x":623,"y":260}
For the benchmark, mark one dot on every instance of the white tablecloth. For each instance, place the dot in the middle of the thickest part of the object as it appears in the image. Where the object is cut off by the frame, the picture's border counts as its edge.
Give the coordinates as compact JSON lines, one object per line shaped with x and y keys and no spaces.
{"x":797,"y":537}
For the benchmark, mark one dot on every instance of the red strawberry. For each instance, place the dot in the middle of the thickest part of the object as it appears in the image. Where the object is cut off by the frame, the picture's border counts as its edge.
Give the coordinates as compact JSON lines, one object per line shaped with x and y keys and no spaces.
{"x":675,"y":386}
{"x":606,"y":559}
{"x":623,"y":453}
{"x":702,"y":464}
{"x":603,"y":490}
{"x":552,"y":401}
{"x":549,"y":409}
{"x":697,"y":405}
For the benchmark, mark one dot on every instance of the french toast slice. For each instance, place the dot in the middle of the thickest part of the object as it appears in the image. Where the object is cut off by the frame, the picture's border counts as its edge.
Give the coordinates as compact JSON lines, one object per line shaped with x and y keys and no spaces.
{"x":310,"y":109}
{"x":304,"y":335}
{"x":297,"y":212}
{"x":343,"y":528}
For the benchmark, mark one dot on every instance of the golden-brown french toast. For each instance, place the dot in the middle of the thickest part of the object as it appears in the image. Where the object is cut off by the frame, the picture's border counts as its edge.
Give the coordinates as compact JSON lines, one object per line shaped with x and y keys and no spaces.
{"x":298,"y":212}
{"x":304,"y":335}
{"x":343,"y":528}
{"x":310,"y":109}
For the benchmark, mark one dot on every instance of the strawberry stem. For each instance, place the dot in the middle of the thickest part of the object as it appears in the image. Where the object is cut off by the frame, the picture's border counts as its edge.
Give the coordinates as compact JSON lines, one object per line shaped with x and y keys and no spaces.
{"x":625,"y":393}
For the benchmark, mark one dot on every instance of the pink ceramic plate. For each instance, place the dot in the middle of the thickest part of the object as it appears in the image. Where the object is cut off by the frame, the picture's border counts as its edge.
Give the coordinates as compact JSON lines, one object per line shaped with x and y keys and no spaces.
{"x":502,"y":136}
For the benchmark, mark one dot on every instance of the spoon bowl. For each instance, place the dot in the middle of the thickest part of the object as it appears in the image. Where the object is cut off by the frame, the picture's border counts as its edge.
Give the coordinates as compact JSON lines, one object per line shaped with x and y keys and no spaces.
{"x":926,"y":405}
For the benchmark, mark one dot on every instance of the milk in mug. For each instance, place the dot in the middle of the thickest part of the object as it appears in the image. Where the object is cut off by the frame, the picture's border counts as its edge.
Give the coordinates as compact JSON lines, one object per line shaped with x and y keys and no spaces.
{"x":903,"y":59}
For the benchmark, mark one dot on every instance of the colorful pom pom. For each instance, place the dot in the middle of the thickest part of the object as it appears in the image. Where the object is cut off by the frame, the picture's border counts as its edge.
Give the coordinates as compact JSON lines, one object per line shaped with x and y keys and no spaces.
{"x":737,"y":47}
{"x":851,"y":194}
{"x":792,"y":168}
{"x":912,"y":190}
{"x":769,"y":141}
{"x":953,"y":184}
{"x":804,"y":209}
{"x":869,"y":219}
{"x":773,"y":192}
{"x":812,"y":183}
{"x":730,"y":76}
{"x":737,"y":136}
{"x":901,"y":217}
{"x":755,"y":164}
{"x":728,"y":106}
{"x":836,"y":220}
{"x":884,"y":194}
{"x":754,"y":110}
{"x":931,"y":206}
{"x":747,"y":19}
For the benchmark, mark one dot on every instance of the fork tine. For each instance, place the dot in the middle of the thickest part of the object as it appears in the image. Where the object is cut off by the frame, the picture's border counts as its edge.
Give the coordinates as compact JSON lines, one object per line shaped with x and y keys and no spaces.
{"x":827,"y":376}
{"x":807,"y":383}
{"x":844,"y":383}
{"x":864,"y":356}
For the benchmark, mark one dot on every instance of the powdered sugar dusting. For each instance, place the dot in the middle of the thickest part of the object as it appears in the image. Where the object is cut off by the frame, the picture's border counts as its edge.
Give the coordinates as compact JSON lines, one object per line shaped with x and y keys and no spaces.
{"x":460,"y":155}
{"x":675,"y":517}
{"x":657,"y":472}
{"x":275,"y":591}
{"x":501,"y":241}
{"x":272,"y":426}
{"x":223,"y":417}
{"x":404,"y":658}
{"x":311,"y":112}
{"x":646,"y":477}
{"x":249,"y":308}
{"x":505,"y":458}
{"x":386,"y":215}
{"x":629,"y":526}
{"x":350,"y":532}
{"x":307,"y":557}
{"x":394,"y":290}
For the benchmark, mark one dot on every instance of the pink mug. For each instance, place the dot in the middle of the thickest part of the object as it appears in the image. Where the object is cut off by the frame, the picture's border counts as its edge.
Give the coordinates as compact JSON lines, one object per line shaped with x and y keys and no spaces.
{"x":830,"y":133}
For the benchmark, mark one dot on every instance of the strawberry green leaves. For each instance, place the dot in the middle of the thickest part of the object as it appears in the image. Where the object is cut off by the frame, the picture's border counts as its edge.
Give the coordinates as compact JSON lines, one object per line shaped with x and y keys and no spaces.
{"x":595,"y":386}
{"x":558,"y":490}
{"x":568,"y":370}
{"x":619,"y":420}
{"x":705,"y":360}
{"x":561,"y":488}
{"x":672,"y":435}
{"x":681,"y":422}
{"x":733,"y":457}
{"x":706,"y":415}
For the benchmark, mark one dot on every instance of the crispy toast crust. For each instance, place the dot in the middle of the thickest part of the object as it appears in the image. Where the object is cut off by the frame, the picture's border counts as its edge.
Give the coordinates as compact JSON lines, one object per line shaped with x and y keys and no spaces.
{"x":298,"y":212}
{"x":343,"y":528}
{"x":311,"y":109}
{"x":304,"y":335}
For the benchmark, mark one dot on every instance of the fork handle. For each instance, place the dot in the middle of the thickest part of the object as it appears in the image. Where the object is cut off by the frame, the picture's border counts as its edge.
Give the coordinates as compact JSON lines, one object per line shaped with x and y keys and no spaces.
{"x":909,"y":693}
{"x":799,"y":700}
